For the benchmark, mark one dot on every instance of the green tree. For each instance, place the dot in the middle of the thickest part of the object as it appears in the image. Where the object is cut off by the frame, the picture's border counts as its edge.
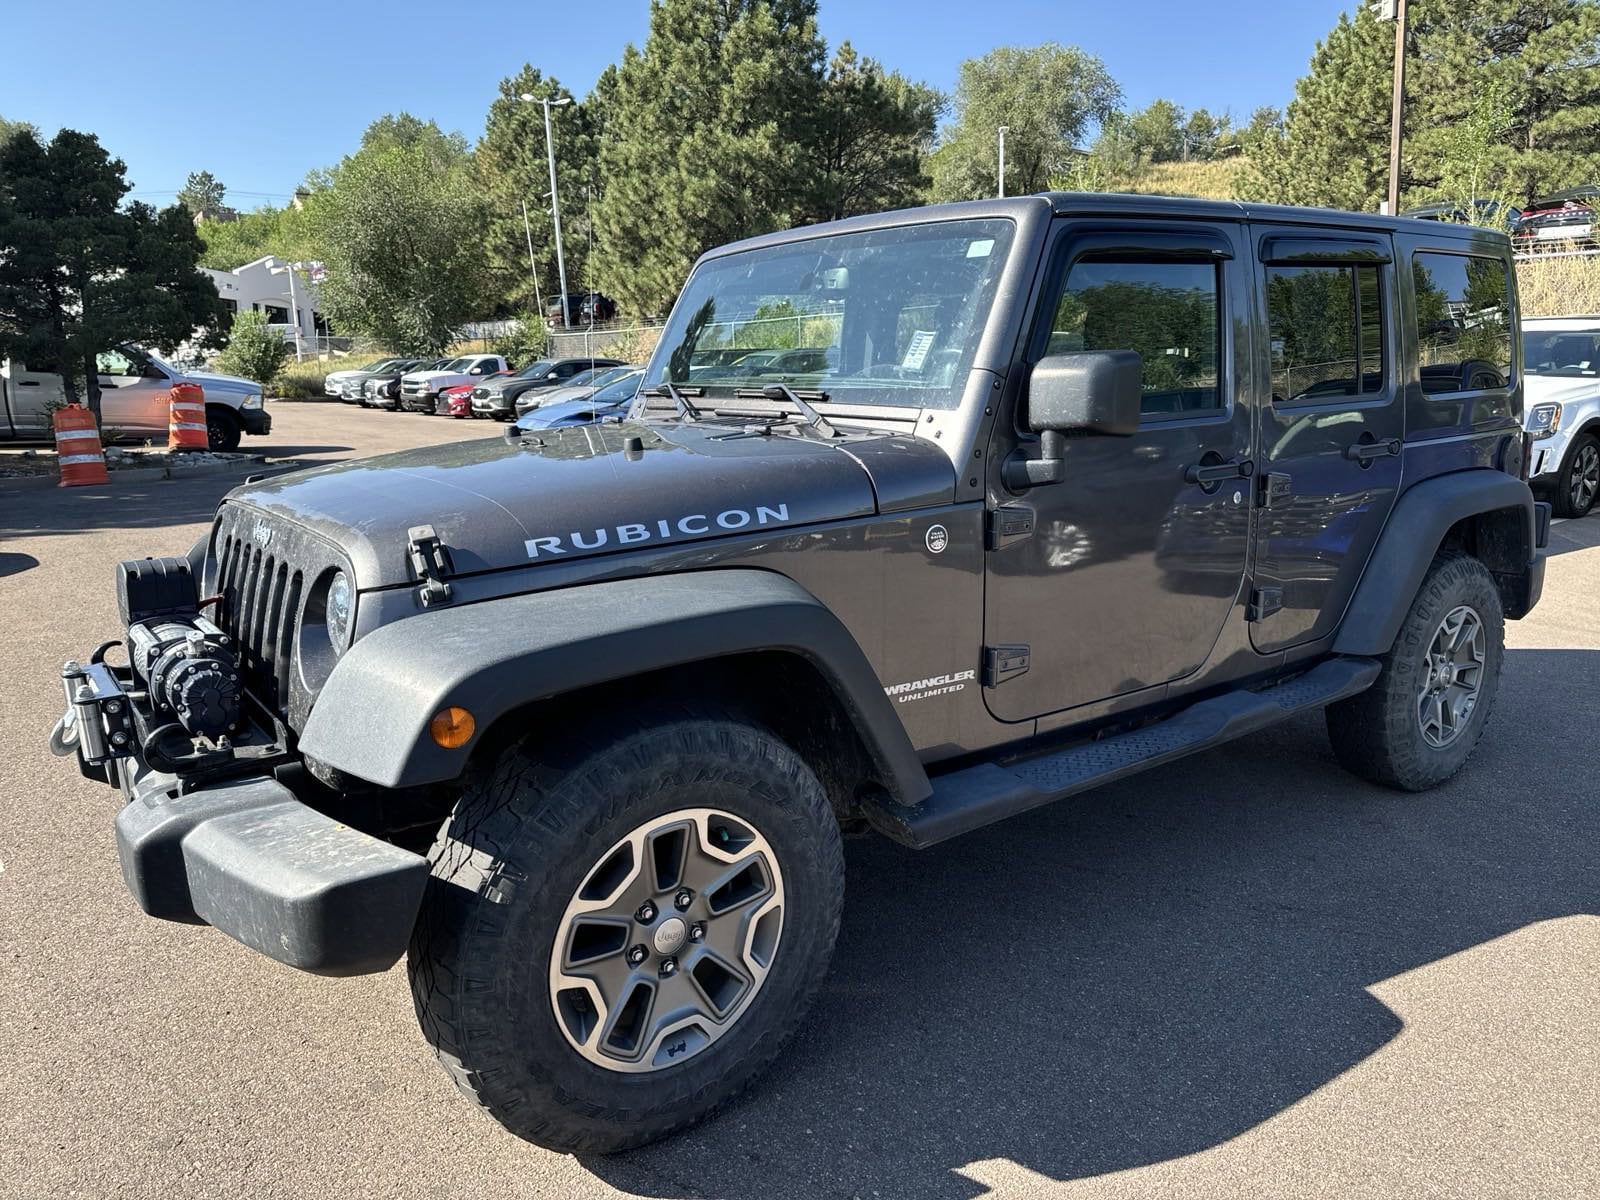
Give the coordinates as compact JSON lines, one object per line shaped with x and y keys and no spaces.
{"x":1203,"y":134}
{"x":1541,"y":57}
{"x":871,"y":137}
{"x":8,"y":129}
{"x":399,"y":230}
{"x":254,"y":351}
{"x":706,"y":139}
{"x":80,"y":273}
{"x":203,"y":194}
{"x":1047,"y":96}
{"x":511,"y":165}
{"x":1158,"y":131}
{"x":285,"y":232}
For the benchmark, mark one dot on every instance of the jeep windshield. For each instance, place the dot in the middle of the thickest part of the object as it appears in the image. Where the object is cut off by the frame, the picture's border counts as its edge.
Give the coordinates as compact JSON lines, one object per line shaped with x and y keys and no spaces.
{"x":886,"y":316}
{"x":1574,"y":354}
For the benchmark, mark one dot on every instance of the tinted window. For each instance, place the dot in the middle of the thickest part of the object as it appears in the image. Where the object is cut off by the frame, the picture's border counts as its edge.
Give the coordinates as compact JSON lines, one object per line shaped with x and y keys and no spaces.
{"x":1326,"y":326}
{"x":1463,"y":321}
{"x":1166,"y":311}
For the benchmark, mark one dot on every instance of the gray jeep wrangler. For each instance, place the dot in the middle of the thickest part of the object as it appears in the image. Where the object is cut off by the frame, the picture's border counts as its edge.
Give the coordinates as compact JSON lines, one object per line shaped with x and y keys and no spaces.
{"x":922,"y":520}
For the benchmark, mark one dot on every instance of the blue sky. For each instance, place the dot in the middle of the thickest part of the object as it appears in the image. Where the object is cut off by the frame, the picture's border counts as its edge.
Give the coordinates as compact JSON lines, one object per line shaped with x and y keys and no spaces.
{"x":261,"y":93}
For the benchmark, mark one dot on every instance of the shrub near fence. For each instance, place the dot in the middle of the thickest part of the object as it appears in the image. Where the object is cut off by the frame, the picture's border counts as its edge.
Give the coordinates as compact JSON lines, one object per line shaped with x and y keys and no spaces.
{"x":1559,"y":285}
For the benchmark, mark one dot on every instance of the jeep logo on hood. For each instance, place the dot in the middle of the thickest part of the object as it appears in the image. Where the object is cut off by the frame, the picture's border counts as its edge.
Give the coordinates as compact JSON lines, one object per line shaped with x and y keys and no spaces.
{"x":659,"y":529}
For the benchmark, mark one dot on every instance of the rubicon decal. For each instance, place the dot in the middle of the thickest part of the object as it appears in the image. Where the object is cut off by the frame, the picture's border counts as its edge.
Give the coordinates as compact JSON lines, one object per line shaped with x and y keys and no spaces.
{"x":923,"y":689}
{"x":660,"y":529}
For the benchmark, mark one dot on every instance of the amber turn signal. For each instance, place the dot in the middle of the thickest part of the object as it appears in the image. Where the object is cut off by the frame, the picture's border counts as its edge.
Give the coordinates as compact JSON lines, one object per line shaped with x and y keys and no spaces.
{"x":452,"y":727}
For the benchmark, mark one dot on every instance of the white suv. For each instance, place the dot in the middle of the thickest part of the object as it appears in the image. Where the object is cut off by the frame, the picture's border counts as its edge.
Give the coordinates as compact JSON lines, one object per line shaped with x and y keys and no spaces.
{"x":1561,"y":367}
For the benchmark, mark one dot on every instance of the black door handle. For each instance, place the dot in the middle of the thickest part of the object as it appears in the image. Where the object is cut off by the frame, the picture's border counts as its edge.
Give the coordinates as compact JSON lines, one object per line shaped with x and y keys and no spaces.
{"x":1204,"y":473}
{"x":1365,"y":452}
{"x":27,"y":383}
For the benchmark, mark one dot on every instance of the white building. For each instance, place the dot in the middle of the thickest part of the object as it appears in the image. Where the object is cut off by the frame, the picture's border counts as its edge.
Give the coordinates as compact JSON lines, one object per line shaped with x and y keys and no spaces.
{"x":264,"y":286}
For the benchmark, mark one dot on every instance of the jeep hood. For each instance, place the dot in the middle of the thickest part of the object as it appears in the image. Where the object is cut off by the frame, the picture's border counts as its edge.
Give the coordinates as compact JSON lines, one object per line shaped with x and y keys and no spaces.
{"x":563,"y":494}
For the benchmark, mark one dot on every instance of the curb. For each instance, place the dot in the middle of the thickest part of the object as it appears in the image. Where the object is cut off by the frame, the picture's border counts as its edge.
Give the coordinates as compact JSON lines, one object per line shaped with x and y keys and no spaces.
{"x":152,"y":474}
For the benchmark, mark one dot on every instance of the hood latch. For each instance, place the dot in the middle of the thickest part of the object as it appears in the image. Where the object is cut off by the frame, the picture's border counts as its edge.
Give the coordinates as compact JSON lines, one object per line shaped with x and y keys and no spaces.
{"x":430,"y":559}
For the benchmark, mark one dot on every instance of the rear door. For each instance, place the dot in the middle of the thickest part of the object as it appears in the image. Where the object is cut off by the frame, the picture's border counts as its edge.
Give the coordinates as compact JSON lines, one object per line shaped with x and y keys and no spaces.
{"x":31,"y":394}
{"x":1331,"y":432}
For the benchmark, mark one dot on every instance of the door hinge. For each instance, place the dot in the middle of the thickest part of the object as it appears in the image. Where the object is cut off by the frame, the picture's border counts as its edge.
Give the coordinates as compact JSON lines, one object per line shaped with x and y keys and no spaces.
{"x":1276,"y":488}
{"x":430,"y":559}
{"x":1263,"y":603}
{"x":1001,"y":663}
{"x":1008,"y":524}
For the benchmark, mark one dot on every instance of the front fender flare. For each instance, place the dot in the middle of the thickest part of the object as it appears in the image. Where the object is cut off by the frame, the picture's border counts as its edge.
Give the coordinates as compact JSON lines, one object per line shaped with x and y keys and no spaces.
{"x":1412,"y":536}
{"x":371,"y":718}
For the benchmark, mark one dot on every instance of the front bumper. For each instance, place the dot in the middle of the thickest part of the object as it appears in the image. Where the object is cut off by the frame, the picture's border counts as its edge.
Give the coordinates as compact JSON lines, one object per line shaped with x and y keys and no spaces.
{"x":255,"y":420}
{"x":244,"y":854}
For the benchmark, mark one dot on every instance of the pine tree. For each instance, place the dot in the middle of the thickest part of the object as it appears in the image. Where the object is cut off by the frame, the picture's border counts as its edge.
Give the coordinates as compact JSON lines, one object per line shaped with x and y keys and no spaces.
{"x":203,"y":194}
{"x":1540,"y":57}
{"x":511,"y":165}
{"x":706,"y":139}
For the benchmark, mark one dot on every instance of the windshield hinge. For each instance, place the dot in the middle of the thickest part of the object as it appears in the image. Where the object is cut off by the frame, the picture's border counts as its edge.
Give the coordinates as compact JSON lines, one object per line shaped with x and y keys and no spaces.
{"x":430,"y":559}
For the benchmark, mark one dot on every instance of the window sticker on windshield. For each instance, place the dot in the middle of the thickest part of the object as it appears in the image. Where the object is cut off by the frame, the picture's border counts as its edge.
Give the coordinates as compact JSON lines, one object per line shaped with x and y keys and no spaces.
{"x":917,"y":351}
{"x":980,"y":248}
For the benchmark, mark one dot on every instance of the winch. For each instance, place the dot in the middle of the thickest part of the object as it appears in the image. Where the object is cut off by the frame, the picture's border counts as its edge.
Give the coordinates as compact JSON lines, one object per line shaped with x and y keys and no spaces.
{"x":187,"y":665}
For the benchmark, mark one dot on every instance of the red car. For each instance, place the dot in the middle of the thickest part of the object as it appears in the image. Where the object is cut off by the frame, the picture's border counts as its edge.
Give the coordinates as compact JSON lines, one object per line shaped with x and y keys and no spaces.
{"x":457,"y":401}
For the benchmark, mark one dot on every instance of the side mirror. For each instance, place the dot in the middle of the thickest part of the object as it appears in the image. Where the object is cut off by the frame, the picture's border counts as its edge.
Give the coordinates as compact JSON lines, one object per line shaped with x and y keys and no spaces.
{"x":1094,"y":392}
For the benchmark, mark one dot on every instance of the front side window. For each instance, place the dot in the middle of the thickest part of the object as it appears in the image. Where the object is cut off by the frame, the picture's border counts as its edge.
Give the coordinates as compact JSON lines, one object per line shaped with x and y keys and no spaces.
{"x":1463,"y":321}
{"x":885,"y":316}
{"x":1326,"y":328}
{"x":1168,"y":312}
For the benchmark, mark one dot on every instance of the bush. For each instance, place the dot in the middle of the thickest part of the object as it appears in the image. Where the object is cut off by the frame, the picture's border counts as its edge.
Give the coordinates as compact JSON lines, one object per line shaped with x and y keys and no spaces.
{"x":254,"y":351}
{"x":528,"y":342}
{"x":303,"y":380}
{"x":635,"y":345}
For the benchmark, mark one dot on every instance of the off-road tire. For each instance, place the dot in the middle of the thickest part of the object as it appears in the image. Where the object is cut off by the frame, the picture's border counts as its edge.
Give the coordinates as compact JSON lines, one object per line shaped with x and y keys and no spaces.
{"x":1575,"y":496}
{"x":1378,"y":735}
{"x":528,"y":828}
{"x":223,"y":430}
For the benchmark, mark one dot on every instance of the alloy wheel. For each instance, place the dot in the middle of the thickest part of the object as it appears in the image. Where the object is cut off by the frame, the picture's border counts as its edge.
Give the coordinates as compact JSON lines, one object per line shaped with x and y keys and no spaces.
{"x":1453,"y":673}
{"x":667,"y":940}
{"x":1585,"y":477}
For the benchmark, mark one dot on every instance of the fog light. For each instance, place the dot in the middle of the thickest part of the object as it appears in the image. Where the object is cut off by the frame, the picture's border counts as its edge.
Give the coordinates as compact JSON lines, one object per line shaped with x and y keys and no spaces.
{"x":452,"y":727}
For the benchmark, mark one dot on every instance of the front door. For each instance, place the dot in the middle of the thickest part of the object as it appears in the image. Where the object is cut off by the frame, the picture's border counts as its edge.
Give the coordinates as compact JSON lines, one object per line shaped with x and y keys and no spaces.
{"x":1121,"y":577}
{"x":135,"y":394}
{"x":1331,"y":434}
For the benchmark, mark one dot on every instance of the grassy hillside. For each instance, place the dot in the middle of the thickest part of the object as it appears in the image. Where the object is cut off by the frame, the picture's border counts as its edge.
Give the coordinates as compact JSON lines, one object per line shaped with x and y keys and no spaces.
{"x":1206,"y":180}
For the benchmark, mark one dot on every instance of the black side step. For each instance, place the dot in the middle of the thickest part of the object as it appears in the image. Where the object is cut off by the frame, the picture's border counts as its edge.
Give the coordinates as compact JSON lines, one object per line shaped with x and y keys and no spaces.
{"x":975,"y":796}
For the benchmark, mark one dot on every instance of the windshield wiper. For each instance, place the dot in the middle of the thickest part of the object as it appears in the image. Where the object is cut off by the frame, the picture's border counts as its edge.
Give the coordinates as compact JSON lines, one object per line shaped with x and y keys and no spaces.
{"x":688,"y":411}
{"x":783,"y":393}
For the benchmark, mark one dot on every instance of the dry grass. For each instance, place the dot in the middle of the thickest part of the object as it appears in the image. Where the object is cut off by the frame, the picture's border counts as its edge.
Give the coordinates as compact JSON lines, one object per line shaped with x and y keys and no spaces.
{"x":1206,"y":180}
{"x":1556,"y":287}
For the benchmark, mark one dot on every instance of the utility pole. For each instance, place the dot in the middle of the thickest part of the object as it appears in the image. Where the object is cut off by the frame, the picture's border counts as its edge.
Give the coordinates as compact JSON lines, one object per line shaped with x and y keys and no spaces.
{"x":533,"y":267}
{"x":1395,"y":10}
{"x":555,"y":200}
{"x":1004,"y":129}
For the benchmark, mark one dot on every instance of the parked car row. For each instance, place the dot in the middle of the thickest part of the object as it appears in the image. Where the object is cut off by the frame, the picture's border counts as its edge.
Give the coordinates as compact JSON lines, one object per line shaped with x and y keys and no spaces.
{"x":583,"y":308}
{"x":1548,"y":222}
{"x":485,"y":386}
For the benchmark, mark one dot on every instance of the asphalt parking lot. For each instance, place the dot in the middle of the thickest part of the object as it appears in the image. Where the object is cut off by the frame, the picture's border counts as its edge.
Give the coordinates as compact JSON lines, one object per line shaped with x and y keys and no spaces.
{"x":1246,"y":975}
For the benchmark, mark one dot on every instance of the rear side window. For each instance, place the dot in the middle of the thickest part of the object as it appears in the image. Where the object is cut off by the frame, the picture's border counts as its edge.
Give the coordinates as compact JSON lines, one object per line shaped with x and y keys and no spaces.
{"x":1169,"y":312}
{"x":1326,"y":325}
{"x":1463,"y":322}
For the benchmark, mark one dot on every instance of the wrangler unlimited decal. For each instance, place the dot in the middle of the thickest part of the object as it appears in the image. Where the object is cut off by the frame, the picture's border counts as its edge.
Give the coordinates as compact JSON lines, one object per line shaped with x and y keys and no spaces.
{"x":922,"y":689}
{"x":663,"y":529}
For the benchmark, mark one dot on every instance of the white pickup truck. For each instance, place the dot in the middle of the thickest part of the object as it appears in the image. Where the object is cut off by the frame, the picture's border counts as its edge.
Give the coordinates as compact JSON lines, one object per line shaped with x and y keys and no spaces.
{"x":135,"y":396}
{"x":420,"y":389}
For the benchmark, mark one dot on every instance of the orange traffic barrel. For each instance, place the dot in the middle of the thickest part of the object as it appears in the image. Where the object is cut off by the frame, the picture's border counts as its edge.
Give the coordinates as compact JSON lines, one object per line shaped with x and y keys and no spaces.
{"x":186,"y":418}
{"x":78,"y":447}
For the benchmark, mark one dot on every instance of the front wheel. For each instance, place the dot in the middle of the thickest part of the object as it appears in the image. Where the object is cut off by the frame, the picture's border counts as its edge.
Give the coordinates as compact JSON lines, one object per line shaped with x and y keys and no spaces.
{"x":223,"y":430}
{"x":621,"y":932}
{"x":1578,"y":485}
{"x":1417,"y":725}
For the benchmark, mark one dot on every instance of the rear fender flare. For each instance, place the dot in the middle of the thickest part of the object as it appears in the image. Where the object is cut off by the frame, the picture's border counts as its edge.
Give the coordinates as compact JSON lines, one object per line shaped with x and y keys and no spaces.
{"x":371,"y":718}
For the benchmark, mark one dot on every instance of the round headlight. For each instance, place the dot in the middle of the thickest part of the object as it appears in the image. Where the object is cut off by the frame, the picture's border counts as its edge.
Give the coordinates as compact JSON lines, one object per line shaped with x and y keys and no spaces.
{"x":338,"y":611}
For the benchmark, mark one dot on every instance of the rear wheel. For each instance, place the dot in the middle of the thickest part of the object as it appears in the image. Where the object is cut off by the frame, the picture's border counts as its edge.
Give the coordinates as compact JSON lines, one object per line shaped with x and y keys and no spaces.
{"x":621,"y":931}
{"x":1418,"y":724}
{"x":1579,"y":483}
{"x":223,"y":430}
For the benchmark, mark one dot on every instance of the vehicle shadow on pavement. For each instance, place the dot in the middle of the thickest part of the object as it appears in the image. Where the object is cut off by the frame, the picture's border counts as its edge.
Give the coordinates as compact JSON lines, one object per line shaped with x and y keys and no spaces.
{"x":156,"y":505}
{"x":16,"y":564}
{"x":1583,"y":533}
{"x":1148,"y":971}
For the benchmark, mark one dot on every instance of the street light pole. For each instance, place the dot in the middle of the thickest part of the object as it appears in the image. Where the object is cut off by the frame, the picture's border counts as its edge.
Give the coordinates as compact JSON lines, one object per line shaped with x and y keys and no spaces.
{"x":555,"y":200}
{"x":1004,"y":129}
{"x":1395,"y":10}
